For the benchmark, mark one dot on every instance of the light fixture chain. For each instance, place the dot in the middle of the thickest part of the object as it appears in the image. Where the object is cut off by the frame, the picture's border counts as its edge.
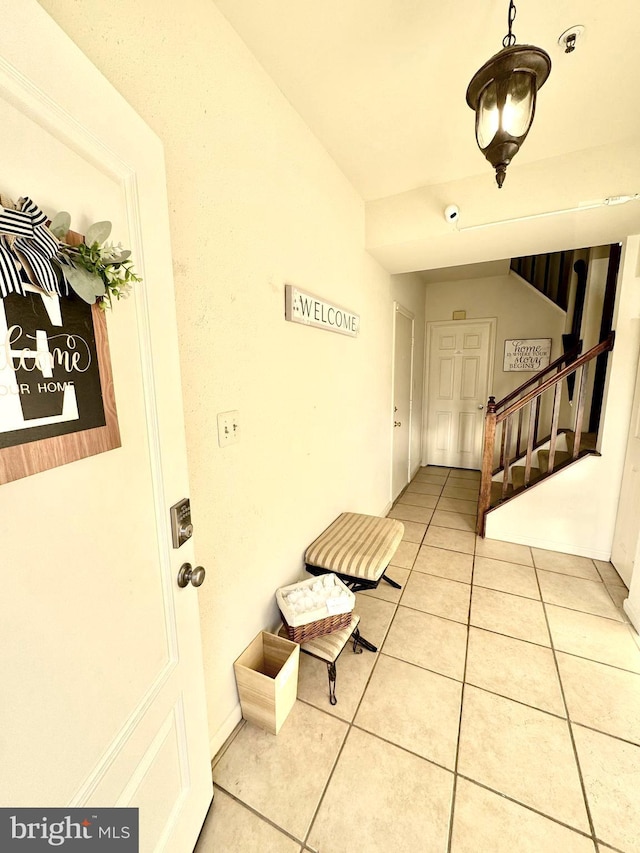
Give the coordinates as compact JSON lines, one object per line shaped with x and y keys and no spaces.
{"x":509,"y":40}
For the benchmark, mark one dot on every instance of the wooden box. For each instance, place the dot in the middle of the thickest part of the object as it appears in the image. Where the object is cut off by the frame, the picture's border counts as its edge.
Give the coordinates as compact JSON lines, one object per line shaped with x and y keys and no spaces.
{"x":267,"y":679}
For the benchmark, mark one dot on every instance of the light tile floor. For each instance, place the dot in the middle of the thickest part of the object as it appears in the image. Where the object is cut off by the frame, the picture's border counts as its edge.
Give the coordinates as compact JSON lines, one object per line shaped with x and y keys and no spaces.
{"x":500,"y":715}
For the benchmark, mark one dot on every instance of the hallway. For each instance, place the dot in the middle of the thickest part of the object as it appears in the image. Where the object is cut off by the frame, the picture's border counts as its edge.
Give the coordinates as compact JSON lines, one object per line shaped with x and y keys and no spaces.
{"x":500,"y":713}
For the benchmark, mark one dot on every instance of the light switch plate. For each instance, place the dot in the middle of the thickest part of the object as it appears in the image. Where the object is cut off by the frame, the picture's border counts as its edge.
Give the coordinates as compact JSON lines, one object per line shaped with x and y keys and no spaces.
{"x":228,"y":428}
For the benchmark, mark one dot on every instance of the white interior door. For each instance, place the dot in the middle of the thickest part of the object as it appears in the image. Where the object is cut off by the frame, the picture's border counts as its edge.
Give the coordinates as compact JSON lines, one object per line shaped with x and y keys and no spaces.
{"x":626,"y":538}
{"x":403,"y":336}
{"x":460,"y":357}
{"x":100,"y":650}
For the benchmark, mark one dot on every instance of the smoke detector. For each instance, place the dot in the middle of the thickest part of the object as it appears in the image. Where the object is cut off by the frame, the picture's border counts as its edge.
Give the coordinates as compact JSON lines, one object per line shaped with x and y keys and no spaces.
{"x":569,"y":38}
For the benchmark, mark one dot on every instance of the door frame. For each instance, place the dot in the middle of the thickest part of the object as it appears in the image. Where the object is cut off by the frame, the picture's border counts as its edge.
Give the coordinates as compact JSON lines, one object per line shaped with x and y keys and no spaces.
{"x":60,"y":103}
{"x":398,"y":308}
{"x":492,"y":324}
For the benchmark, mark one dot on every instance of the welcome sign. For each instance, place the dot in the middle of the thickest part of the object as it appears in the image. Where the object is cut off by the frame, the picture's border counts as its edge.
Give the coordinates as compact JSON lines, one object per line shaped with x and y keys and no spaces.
{"x":49,"y":373}
{"x":57,"y":401}
{"x":302,"y":307}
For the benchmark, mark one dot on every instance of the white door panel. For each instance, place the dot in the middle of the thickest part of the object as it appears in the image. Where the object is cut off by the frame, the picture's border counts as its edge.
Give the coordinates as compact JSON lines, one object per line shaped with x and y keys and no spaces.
{"x":403,"y":339}
{"x":460,"y":356}
{"x":100,"y":652}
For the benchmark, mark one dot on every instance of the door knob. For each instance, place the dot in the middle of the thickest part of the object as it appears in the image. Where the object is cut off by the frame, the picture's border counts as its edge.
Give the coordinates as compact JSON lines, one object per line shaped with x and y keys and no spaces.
{"x":481,"y":407}
{"x":188,"y":574}
{"x":397,"y":423}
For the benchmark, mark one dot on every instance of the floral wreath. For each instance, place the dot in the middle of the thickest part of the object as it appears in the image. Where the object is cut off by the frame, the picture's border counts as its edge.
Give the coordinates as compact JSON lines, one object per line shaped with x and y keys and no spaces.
{"x":33,"y":252}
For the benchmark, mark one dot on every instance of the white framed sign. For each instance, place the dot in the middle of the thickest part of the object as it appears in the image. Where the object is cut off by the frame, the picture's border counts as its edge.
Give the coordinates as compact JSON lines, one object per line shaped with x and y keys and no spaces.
{"x":531,"y":354}
{"x":305,"y":308}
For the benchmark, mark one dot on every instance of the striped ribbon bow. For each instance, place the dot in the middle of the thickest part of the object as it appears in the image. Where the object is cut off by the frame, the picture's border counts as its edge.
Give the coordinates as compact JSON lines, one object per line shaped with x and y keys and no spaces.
{"x":26,"y":241}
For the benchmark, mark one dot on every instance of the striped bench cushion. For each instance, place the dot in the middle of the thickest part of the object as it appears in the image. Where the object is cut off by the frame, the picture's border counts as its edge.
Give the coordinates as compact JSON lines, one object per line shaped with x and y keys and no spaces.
{"x":360,"y":546}
{"x":328,"y":646}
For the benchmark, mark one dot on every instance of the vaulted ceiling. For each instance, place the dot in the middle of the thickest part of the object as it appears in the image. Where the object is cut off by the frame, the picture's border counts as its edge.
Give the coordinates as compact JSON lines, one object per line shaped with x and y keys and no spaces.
{"x":382,"y":83}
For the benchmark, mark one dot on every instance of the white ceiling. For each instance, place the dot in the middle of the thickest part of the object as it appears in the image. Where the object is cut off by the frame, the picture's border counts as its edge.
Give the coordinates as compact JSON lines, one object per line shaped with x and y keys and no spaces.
{"x":382,"y":83}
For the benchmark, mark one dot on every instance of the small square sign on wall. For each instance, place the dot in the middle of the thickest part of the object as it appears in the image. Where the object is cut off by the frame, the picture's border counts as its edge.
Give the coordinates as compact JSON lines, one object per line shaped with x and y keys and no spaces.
{"x":530,"y":354}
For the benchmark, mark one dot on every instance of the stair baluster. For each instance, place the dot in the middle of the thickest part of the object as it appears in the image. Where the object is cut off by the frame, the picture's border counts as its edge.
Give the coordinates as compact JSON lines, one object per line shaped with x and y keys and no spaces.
{"x":505,"y":462}
{"x":582,"y":393}
{"x":534,"y":410}
{"x":554,"y":426}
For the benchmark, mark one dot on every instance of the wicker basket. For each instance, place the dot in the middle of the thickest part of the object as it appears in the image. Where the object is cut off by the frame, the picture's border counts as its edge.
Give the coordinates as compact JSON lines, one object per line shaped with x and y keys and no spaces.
{"x":305,"y":626}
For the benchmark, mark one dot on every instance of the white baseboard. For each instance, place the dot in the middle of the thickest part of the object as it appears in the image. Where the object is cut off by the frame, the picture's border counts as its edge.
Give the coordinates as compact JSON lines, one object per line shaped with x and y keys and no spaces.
{"x":562,"y":547}
{"x":218,"y":740}
{"x":632,"y":613}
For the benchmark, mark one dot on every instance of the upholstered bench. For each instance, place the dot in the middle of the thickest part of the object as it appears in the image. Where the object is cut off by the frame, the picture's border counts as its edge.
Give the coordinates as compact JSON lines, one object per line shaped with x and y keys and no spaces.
{"x":328,"y":648}
{"x":357,"y":548}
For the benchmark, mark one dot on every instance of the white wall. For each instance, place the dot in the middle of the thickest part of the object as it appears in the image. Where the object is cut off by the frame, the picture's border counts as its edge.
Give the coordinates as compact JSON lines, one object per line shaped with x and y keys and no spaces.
{"x":255,"y":202}
{"x":521,"y":312}
{"x":408,"y":231}
{"x":587,"y":492}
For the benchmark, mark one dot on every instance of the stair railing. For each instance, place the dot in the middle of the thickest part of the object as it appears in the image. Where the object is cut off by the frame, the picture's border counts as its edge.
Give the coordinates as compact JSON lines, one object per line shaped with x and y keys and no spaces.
{"x":563,"y":361}
{"x":512,"y":408}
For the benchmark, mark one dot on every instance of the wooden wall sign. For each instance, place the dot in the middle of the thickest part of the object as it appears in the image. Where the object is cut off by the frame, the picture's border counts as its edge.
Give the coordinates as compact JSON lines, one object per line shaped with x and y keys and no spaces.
{"x":57,"y":402}
{"x":301,"y":307}
{"x":530,"y":354}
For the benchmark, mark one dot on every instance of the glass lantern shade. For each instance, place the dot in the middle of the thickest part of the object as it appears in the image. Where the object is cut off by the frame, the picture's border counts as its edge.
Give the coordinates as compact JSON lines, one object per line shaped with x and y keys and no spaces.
{"x":503,"y":95}
{"x":507,"y":107}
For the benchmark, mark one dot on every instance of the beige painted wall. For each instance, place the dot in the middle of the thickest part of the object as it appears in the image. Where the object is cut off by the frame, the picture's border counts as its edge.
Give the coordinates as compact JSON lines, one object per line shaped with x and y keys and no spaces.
{"x":520,"y":310}
{"x":255,"y":202}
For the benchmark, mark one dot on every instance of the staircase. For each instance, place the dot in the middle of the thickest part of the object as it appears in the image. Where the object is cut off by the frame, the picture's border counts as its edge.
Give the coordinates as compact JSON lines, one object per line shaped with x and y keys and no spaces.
{"x":550,"y":274}
{"x":540,"y":464}
{"x":513,"y":424}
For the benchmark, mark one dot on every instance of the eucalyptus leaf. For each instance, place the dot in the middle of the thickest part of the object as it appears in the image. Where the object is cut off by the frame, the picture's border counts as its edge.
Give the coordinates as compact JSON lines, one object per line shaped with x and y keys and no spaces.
{"x":97,"y":233}
{"x":123,"y":256}
{"x":60,"y":224}
{"x":87,"y":286}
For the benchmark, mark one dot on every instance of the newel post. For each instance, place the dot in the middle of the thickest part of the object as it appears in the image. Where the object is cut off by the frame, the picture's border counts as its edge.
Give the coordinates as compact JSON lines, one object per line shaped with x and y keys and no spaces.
{"x":484,"y":498}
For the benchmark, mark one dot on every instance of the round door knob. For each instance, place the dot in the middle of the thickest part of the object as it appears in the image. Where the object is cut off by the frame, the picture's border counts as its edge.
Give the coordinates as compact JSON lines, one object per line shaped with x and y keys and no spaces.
{"x":481,"y":407}
{"x":188,"y":574}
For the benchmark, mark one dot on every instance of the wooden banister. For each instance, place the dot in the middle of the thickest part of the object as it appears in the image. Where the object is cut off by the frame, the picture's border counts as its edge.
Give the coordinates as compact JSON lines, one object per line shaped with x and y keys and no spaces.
{"x":496,"y":414}
{"x":570,"y":354}
{"x":595,"y":351}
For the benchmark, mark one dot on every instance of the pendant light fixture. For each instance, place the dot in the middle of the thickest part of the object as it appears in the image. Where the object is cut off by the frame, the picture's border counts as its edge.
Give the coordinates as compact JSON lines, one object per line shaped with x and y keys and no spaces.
{"x":503,"y":95}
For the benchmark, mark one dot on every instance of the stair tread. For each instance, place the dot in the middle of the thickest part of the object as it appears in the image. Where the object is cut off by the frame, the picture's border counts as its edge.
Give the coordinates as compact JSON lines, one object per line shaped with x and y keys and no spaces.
{"x":517,"y":471}
{"x":560,"y":457}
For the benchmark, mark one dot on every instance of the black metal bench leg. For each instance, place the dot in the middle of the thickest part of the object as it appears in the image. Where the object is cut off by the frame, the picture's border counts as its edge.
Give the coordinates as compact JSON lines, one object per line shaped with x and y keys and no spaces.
{"x":392,"y":582}
{"x":359,"y":640}
{"x":331,"y":669}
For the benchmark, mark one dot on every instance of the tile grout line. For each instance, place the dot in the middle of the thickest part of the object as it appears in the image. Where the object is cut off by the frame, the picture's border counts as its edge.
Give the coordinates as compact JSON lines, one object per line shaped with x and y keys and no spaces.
{"x":217,"y":758}
{"x":454,"y":789}
{"x":255,"y":812}
{"x":529,"y":808}
{"x":569,"y":724}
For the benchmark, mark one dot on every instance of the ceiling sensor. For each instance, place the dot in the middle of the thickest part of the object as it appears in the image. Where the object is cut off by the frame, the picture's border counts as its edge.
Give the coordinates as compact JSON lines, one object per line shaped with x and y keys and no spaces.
{"x":569,"y":38}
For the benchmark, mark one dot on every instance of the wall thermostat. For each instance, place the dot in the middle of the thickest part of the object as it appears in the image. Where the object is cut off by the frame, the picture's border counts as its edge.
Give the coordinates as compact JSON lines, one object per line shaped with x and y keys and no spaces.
{"x":181,"y":526}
